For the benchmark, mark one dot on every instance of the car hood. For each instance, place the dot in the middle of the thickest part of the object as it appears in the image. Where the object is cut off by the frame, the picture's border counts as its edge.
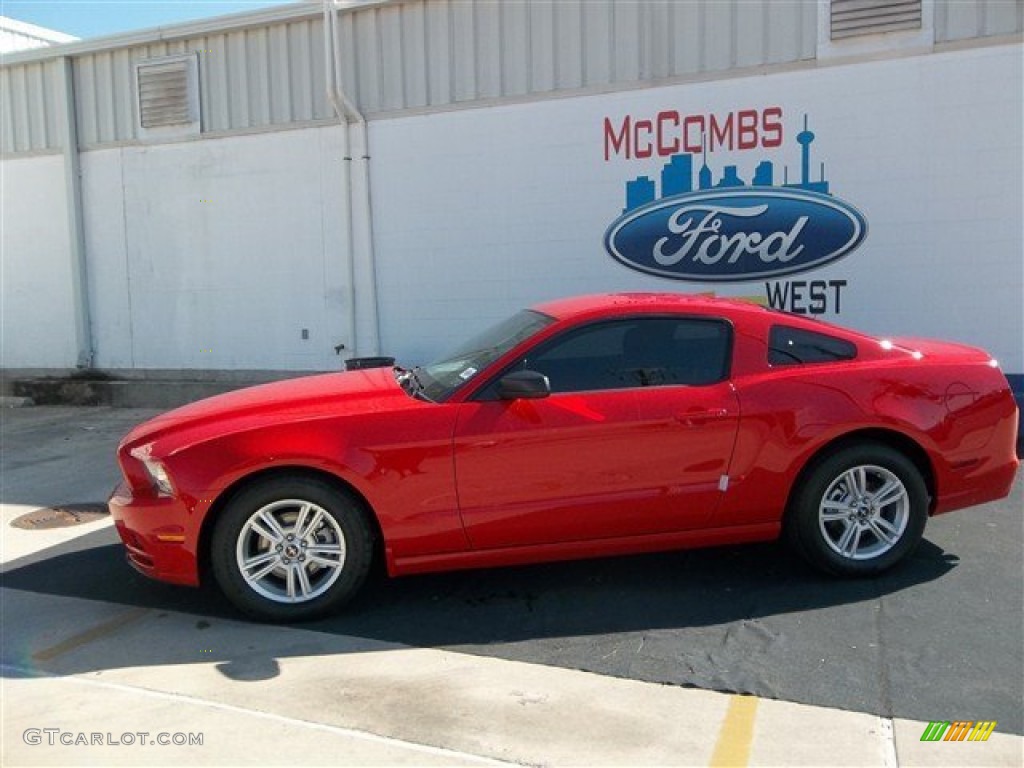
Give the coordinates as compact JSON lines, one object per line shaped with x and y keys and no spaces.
{"x":334,"y":394}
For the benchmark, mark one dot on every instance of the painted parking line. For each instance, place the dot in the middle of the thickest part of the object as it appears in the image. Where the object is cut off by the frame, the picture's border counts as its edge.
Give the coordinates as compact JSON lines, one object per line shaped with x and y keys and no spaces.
{"x":98,"y":632}
{"x":736,"y":735}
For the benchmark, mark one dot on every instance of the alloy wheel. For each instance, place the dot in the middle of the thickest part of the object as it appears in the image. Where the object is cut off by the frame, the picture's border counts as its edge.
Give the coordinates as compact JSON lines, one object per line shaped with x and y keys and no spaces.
{"x":864,"y":512}
{"x":290,"y":551}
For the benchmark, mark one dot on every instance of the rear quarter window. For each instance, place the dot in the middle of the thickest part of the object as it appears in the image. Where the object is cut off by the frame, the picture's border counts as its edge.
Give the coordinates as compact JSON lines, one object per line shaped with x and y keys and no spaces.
{"x":795,"y":346}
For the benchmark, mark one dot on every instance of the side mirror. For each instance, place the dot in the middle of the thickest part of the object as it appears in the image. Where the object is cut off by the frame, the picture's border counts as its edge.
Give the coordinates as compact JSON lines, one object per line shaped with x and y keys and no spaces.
{"x":524,"y":385}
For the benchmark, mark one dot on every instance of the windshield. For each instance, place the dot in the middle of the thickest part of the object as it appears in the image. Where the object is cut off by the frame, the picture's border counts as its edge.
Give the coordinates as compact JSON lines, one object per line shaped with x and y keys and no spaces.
{"x":441,"y":378}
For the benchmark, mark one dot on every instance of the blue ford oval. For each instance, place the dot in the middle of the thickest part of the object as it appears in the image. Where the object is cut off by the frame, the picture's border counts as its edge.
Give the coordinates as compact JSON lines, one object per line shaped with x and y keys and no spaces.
{"x":732,"y":235}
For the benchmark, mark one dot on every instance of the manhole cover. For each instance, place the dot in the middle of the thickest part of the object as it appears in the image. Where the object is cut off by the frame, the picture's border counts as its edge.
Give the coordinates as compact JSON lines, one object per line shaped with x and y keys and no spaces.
{"x":60,"y":517}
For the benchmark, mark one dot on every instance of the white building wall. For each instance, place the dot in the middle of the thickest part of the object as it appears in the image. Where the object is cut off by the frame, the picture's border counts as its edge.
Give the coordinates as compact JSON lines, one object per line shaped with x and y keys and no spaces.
{"x":497,"y":194}
{"x":110,"y":300}
{"x":37,"y":327}
{"x":218,"y":254}
{"x":478,"y":213}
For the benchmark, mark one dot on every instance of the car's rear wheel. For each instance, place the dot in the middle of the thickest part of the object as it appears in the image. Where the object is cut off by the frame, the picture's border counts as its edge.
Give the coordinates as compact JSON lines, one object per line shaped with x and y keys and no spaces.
{"x":289,"y":549}
{"x":859,"y":511}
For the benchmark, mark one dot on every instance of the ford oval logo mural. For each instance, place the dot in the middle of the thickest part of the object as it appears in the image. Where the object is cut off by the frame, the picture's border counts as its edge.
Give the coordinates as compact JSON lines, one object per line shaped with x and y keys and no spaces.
{"x":709,"y":227}
{"x":736,"y":234}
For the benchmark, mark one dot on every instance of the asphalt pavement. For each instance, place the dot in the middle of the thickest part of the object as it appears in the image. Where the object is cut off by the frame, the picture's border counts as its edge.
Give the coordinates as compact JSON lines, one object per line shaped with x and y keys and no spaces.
{"x":618,"y":643}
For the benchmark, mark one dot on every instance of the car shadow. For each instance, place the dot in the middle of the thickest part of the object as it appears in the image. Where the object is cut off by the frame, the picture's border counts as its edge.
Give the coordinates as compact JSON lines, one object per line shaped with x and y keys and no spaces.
{"x":675,"y":590}
{"x":685,"y":589}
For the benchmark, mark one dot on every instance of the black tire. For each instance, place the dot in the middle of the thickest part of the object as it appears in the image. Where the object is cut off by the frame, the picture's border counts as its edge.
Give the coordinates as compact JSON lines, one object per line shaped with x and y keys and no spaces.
{"x":338,"y":534}
{"x":840,"y":522}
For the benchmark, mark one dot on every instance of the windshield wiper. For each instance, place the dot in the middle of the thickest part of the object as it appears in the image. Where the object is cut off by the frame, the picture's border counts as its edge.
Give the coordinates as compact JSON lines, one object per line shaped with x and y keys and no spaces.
{"x":418,"y":388}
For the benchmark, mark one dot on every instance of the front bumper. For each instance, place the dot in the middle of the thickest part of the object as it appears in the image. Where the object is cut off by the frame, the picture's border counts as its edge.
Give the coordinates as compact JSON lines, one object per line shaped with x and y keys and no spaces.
{"x":157,"y":536}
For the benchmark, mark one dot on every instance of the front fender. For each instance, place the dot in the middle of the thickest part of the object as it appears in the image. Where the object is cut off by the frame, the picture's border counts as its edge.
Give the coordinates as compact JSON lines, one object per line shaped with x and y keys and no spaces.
{"x":401,"y":466}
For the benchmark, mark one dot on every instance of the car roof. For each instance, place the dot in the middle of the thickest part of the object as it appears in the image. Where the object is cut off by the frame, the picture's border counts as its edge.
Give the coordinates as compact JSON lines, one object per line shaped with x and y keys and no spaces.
{"x":616,"y":303}
{"x":611,"y":305}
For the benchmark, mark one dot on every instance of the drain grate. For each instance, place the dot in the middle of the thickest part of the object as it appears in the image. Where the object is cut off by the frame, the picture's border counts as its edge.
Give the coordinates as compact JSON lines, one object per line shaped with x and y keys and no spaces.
{"x":63,"y":516}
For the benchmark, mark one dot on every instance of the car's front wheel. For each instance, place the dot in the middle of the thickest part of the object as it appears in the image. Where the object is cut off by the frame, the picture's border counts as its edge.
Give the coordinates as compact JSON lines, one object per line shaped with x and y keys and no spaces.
{"x":859,"y":511}
{"x":289,"y":549}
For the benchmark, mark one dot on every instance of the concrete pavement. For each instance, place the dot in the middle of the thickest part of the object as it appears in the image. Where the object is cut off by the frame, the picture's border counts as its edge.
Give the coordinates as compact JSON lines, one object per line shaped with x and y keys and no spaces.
{"x":91,"y":673}
{"x":276,"y":695}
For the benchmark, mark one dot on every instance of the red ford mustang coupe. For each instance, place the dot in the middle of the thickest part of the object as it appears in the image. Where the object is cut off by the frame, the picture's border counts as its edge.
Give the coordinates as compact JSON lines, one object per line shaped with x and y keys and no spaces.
{"x":579,"y":428}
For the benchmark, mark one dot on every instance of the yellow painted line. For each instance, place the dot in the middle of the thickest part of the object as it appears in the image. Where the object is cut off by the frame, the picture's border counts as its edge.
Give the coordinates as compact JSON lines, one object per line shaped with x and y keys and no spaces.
{"x":92,"y":634}
{"x":736,"y":735}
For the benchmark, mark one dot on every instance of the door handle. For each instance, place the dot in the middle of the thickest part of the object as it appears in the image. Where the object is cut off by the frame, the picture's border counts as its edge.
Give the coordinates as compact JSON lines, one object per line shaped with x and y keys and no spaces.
{"x":697,"y":418}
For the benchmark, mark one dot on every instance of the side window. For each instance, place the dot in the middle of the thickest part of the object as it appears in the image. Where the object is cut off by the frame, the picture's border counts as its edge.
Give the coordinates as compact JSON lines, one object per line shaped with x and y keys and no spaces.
{"x":586,"y":359}
{"x":795,"y":346}
{"x":637,"y":352}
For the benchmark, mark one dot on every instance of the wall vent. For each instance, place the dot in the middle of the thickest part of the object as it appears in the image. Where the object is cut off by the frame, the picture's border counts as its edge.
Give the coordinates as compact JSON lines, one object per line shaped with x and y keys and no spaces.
{"x":168,"y":92}
{"x":851,"y":18}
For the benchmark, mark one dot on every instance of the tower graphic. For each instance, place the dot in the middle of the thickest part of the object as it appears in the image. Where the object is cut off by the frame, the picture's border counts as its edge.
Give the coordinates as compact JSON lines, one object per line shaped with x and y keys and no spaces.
{"x":804,"y":139}
{"x":677,"y":175}
{"x":705,"y":172}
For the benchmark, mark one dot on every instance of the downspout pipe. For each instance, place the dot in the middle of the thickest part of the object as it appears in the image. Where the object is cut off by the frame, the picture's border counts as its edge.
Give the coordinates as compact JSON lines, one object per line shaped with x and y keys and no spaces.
{"x":85,"y":356}
{"x":337,"y":103}
{"x":352,"y":120}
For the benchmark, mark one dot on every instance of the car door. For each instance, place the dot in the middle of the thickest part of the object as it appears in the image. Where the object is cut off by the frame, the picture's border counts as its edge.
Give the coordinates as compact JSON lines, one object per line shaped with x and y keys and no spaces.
{"x":601,"y":457}
{"x":690,"y":413}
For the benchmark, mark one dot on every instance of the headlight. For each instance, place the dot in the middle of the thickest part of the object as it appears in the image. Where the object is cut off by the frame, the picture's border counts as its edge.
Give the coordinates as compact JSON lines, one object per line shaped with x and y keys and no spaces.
{"x":158,"y":474}
{"x":156,"y":471}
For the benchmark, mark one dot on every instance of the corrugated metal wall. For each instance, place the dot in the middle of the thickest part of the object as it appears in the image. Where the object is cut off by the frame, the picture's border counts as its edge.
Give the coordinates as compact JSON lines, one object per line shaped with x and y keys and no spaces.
{"x":249,"y":78}
{"x":439,"y":52}
{"x":959,"y":20}
{"x":30,"y":105}
{"x":426,"y":53}
{"x":434,"y":53}
{"x":421,"y":54}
